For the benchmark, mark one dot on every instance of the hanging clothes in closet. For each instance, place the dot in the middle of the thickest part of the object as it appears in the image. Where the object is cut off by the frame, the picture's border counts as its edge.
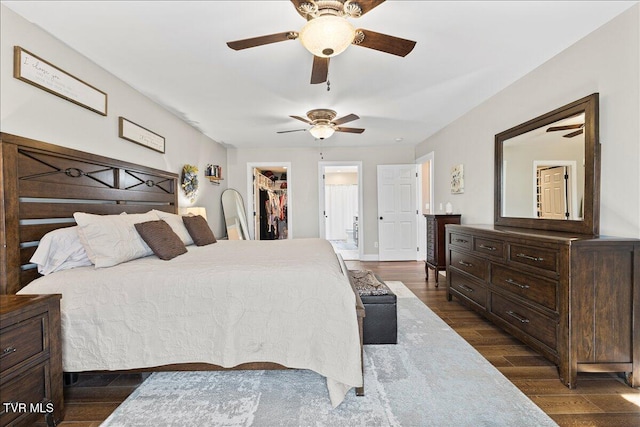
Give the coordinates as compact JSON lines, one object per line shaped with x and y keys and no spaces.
{"x":273,"y":214}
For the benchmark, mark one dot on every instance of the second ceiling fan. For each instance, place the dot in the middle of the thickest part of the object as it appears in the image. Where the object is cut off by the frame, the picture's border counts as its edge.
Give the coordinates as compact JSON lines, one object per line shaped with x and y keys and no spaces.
{"x":323,"y":124}
{"x":328,"y":33}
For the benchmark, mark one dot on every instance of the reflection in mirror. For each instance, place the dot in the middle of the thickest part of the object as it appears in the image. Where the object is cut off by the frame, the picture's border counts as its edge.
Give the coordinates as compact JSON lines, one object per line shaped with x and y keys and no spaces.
{"x":235,"y":216}
{"x":543,"y":171}
{"x":547,"y":171}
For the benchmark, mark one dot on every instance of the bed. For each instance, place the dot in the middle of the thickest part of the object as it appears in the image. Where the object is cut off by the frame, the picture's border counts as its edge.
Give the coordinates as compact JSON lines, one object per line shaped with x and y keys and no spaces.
{"x":228,"y":305}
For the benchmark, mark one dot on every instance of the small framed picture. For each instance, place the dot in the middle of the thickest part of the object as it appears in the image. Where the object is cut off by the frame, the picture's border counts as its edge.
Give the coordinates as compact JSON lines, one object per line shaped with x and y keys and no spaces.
{"x":457,"y":179}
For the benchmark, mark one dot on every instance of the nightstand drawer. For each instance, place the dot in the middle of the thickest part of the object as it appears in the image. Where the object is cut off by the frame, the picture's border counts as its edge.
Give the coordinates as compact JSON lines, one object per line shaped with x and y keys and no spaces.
{"x":28,"y":388}
{"x":21,"y":341}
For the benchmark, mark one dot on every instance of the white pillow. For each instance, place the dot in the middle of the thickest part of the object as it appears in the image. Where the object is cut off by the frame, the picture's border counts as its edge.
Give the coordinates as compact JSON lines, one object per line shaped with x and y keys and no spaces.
{"x":176,"y":224}
{"x":58,"y":250}
{"x":112,"y":239}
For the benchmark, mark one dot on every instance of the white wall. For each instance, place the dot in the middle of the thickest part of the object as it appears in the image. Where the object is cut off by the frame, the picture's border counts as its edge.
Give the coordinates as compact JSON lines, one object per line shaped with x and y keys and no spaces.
{"x":303,"y":177}
{"x":33,"y":113}
{"x":606,"y":61}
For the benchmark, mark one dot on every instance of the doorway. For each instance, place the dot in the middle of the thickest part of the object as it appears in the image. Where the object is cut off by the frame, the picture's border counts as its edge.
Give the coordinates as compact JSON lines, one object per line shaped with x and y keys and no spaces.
{"x":425,"y":199}
{"x":270,"y":198}
{"x":340,"y":194}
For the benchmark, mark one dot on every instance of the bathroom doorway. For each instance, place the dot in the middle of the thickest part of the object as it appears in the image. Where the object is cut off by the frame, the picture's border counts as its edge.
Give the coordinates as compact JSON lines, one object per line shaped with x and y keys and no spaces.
{"x":340,"y":207}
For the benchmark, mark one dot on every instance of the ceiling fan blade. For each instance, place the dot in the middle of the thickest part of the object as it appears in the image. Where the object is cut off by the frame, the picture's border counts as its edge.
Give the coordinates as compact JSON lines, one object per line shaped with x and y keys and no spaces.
{"x":302,"y":119}
{"x":320,"y":70}
{"x":262,"y":40}
{"x":294,"y":130}
{"x":575,"y":133}
{"x":367,"y":5}
{"x":565,"y":127}
{"x":386,"y":43}
{"x":345,"y":119}
{"x":349,"y":130}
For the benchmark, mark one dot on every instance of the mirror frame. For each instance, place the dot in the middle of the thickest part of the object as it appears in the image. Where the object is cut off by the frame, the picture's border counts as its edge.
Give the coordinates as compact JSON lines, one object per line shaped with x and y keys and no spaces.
{"x":590,"y":224}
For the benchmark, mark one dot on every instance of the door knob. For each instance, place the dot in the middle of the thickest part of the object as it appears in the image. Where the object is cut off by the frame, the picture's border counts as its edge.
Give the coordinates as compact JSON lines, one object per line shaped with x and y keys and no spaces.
{"x":381,"y":218}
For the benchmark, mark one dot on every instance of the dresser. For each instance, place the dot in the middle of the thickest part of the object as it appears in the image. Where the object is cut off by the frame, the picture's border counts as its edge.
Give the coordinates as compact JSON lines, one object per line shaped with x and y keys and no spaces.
{"x":436,"y":242}
{"x":574,"y":298}
{"x":30,"y":360}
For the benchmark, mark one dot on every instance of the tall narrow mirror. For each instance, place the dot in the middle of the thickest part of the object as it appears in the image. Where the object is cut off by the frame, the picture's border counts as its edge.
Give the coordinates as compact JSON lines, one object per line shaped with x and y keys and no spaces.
{"x":235,"y":216}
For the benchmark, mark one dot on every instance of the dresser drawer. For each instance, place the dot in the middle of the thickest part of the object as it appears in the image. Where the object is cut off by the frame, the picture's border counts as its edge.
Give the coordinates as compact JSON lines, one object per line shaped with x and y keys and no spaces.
{"x":545,"y":259}
{"x":469,"y":288}
{"x":538,"y":290}
{"x":527,"y":320}
{"x":27,"y":388}
{"x":488,"y":247}
{"x":460,"y":240}
{"x":23,"y":340}
{"x":472,"y":265}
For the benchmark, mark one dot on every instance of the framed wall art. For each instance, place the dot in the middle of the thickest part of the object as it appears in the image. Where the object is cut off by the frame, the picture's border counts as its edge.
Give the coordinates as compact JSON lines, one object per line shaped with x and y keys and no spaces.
{"x":136,"y":133}
{"x":42,"y":74}
{"x":457,"y":179}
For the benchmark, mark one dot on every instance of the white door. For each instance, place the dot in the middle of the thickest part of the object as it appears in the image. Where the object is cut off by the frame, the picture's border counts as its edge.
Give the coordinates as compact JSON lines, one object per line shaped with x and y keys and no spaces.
{"x":554,"y":192}
{"x":397,"y":212}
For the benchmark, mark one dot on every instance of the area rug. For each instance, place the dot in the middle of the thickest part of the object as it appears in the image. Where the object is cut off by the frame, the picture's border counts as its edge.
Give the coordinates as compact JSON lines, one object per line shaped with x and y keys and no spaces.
{"x":432,"y":377}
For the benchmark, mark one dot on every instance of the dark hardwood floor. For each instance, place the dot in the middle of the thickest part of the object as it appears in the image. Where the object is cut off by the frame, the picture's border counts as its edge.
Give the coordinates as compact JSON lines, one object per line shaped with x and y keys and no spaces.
{"x":599,"y":400}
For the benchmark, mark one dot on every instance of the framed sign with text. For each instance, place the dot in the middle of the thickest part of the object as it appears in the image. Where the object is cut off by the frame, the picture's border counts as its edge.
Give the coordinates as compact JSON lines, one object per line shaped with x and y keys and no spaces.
{"x":136,"y":133}
{"x":42,"y":74}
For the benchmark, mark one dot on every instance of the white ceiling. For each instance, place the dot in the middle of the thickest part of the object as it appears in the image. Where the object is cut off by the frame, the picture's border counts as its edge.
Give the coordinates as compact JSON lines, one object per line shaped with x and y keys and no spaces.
{"x":175,"y":53}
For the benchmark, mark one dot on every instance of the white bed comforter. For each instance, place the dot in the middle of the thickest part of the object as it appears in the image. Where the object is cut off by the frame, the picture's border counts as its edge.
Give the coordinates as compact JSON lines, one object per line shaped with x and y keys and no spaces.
{"x":232,"y":302}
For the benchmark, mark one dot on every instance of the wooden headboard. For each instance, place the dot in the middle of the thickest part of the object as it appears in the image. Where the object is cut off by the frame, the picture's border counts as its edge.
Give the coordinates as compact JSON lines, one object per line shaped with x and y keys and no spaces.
{"x":44,"y":184}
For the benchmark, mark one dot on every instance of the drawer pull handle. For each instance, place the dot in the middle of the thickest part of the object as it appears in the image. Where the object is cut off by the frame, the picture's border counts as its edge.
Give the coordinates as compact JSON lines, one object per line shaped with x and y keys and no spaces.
{"x":465,"y":288}
{"x":466,"y":264}
{"x":532,"y":258}
{"x":8,"y":351}
{"x":514,"y":283}
{"x":517,"y":316}
{"x":489,"y":248}
{"x":461,"y":241}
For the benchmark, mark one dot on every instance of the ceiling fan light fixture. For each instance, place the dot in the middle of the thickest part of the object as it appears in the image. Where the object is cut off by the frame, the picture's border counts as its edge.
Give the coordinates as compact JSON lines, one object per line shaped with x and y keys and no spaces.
{"x":327,"y":35}
{"x":322,"y":131}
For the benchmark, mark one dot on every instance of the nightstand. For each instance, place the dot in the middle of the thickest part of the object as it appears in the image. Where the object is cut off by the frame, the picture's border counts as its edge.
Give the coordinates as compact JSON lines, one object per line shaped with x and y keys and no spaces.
{"x":30,"y":360}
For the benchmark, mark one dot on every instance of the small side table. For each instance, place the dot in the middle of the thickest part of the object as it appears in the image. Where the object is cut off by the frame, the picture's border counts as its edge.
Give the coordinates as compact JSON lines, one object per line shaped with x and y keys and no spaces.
{"x":436,"y":243}
{"x":31,"y":370}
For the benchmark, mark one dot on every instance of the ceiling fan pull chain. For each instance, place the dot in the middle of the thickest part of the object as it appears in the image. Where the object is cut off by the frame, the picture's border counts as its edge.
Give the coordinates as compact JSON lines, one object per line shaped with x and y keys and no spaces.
{"x":328,"y":85}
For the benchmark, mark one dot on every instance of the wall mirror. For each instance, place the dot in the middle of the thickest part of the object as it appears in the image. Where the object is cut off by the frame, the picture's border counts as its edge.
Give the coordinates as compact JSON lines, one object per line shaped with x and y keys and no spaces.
{"x":547,"y":171}
{"x":235,"y":216}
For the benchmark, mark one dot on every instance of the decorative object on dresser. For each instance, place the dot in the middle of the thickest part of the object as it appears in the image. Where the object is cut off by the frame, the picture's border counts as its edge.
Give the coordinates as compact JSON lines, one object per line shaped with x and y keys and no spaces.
{"x":31,"y":370}
{"x":553,"y":283}
{"x":436,"y":243}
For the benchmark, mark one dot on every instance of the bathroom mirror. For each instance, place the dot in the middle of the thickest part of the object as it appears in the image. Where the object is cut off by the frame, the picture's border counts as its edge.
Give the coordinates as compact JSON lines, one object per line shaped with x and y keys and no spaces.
{"x":235,"y":217}
{"x":547,"y":171}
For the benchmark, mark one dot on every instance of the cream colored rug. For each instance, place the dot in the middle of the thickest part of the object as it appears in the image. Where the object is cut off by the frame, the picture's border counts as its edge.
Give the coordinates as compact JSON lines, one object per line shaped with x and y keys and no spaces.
{"x":432,"y":377}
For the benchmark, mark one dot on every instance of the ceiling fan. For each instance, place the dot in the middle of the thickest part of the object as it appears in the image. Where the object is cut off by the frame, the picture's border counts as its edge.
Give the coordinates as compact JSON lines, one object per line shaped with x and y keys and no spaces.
{"x":327,"y":33}
{"x":578,"y":126}
{"x":323,"y":124}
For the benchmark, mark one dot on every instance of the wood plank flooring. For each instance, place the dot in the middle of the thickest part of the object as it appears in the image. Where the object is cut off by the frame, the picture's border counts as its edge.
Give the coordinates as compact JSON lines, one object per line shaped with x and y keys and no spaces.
{"x":600,"y":400}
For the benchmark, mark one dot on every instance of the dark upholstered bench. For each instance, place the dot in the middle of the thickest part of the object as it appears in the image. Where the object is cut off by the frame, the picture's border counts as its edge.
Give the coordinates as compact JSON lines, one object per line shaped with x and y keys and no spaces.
{"x":380,"y":308}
